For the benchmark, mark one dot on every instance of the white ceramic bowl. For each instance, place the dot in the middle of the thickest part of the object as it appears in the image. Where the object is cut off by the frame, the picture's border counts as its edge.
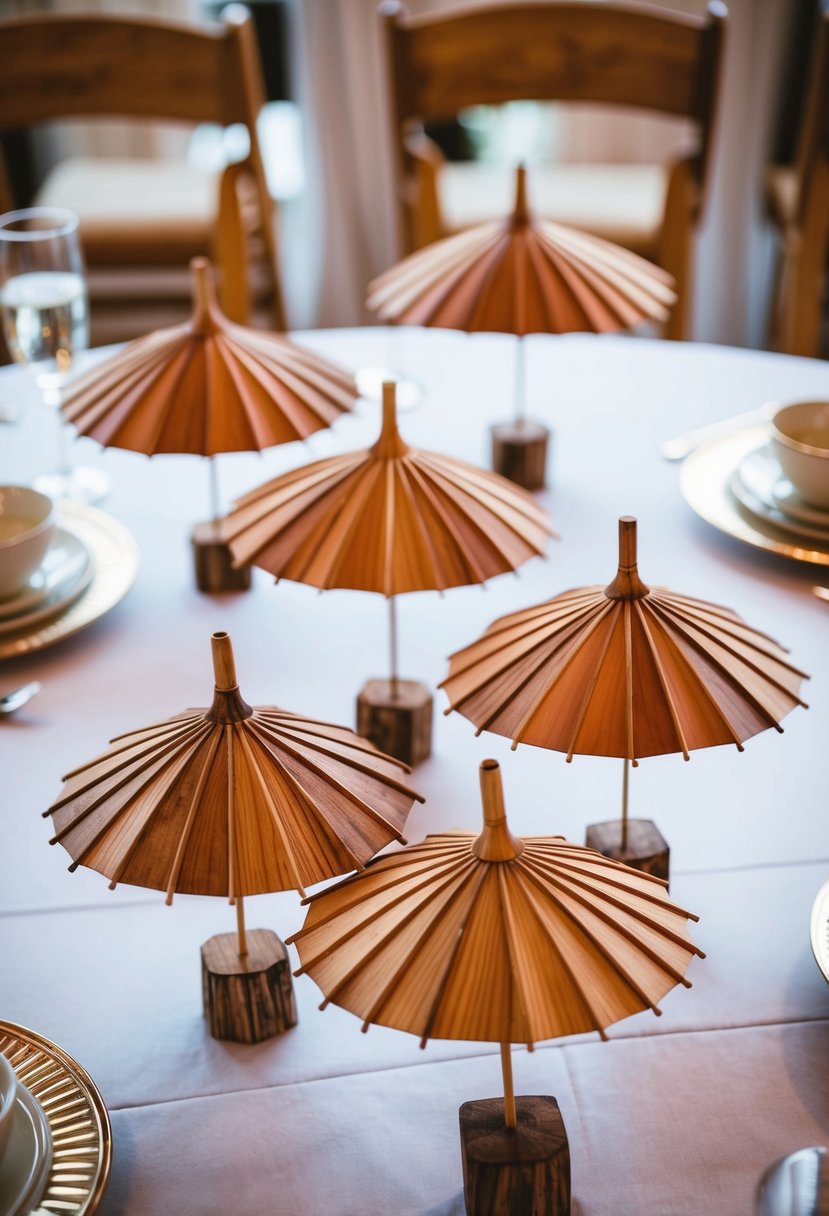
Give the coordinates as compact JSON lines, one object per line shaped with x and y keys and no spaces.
{"x":8,"y":1102}
{"x":27,"y":525}
{"x":800,"y":438}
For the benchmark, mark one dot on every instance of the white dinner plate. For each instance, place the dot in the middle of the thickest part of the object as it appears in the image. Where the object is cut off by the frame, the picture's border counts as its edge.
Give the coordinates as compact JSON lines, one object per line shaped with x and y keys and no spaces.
{"x":752,"y":484}
{"x":25,"y":1167}
{"x":819,"y":929}
{"x":66,"y":578}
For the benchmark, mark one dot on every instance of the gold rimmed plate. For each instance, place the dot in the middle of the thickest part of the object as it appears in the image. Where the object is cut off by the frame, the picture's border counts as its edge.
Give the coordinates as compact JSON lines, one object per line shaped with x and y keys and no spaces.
{"x":77,"y":1118}
{"x":114,"y":561}
{"x":705,"y":481}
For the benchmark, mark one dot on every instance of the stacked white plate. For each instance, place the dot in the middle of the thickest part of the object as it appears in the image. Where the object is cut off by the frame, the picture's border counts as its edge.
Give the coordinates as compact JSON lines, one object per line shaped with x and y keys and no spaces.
{"x":62,"y":577}
{"x":24,"y":1169}
{"x":759,"y":485}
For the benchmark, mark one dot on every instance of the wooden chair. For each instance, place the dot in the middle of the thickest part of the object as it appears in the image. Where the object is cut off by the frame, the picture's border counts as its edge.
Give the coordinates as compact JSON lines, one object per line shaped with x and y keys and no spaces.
{"x":90,"y":66}
{"x":640,"y":57}
{"x":797,"y":198}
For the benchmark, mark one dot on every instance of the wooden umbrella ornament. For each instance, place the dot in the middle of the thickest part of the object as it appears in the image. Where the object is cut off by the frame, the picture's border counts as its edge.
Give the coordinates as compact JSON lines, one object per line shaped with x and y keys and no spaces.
{"x":389,"y":519}
{"x":205,"y":387}
{"x":499,"y":939}
{"x":234,"y":801}
{"x":522,"y":276}
{"x":624,"y":670}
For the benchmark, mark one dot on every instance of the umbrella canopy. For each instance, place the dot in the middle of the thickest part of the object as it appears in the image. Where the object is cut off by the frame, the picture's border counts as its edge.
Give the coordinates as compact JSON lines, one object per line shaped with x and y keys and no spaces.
{"x":207,"y":386}
{"x":495,"y":938}
{"x":624,"y":670}
{"x":231,"y":800}
{"x":523,"y":276}
{"x":389,"y":518}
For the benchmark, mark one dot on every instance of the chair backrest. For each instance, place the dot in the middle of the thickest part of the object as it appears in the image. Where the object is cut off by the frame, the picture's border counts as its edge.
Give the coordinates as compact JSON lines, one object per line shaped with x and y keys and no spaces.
{"x":642,"y":57}
{"x":90,"y":66}
{"x":813,"y":138}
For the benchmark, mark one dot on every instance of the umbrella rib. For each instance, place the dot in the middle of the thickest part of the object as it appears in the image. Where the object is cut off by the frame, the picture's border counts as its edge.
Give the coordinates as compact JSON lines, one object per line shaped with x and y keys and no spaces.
{"x":356,"y":765}
{"x":516,"y":995}
{"x":434,"y":1008}
{"x":368,"y":810}
{"x":409,"y":473}
{"x":542,"y":628}
{"x":273,"y":718}
{"x":147,"y":745}
{"x":582,"y":931}
{"x":275,"y":816}
{"x":545,"y":691}
{"x":431,"y":875}
{"x":663,"y":680}
{"x":629,"y":682}
{"x":175,"y":868}
{"x":677,"y":620}
{"x":652,"y":923}
{"x":363,"y":475}
{"x":171,"y":752}
{"x":122,"y":865}
{"x":232,"y":874}
{"x":467,"y":560}
{"x":591,"y":685}
{"x":388,"y":536}
{"x":649,"y":951}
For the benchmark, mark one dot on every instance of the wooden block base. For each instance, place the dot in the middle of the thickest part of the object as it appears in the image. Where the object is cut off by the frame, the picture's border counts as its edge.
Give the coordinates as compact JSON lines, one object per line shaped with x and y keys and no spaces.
{"x":646,"y":847}
{"x":399,"y":724}
{"x":520,"y":1171}
{"x":519,"y":452}
{"x":247,"y":999}
{"x":213,"y":562}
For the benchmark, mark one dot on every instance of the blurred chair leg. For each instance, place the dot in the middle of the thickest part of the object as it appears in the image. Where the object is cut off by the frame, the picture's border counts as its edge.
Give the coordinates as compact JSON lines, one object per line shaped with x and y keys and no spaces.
{"x":676,"y":246}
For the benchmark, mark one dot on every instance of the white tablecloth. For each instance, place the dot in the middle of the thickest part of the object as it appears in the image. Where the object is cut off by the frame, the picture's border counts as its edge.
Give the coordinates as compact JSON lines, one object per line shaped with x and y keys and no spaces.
{"x":675,"y":1115}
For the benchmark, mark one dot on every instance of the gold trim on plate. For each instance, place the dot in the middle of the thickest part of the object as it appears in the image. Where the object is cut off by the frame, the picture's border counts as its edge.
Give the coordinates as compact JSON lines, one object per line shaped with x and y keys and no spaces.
{"x":114,"y":554}
{"x":77,"y":1116}
{"x":704,"y":481}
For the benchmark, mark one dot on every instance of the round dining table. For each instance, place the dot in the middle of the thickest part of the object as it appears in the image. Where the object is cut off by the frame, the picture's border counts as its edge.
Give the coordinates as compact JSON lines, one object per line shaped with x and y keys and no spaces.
{"x":676,"y":1115}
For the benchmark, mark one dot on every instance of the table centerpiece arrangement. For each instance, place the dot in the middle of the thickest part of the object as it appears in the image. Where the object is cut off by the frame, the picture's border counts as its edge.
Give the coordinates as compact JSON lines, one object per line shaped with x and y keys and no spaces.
{"x":206,"y":387}
{"x":496,"y":938}
{"x":624,"y":670}
{"x":389,"y":519}
{"x":522,"y":275}
{"x":234,"y":801}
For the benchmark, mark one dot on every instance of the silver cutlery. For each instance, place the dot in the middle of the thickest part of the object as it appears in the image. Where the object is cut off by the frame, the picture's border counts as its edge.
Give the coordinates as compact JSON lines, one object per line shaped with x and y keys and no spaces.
{"x":682,"y":445}
{"x":18,"y":697}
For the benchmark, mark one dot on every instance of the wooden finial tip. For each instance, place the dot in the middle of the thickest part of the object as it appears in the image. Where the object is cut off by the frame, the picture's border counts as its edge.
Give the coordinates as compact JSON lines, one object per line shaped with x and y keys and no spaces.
{"x":224,"y":666}
{"x":390,"y":443}
{"x":520,"y":211}
{"x":496,"y":842}
{"x":627,"y":584}
{"x":204,"y":296}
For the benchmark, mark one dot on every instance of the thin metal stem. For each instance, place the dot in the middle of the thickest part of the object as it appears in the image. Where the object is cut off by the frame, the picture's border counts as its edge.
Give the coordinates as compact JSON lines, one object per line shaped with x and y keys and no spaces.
{"x":240,"y":926}
{"x":64,"y":449}
{"x":520,"y":382}
{"x":393,"y":645}
{"x":625,"y":778}
{"x":510,"y":1117}
{"x":215,"y":500}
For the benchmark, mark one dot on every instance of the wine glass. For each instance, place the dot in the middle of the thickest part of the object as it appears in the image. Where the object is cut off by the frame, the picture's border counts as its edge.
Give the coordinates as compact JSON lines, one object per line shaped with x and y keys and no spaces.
{"x":45,"y":315}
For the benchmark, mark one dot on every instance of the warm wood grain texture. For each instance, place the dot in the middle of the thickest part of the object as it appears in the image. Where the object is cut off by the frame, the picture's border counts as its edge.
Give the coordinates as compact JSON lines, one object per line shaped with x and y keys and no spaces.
{"x":389,"y":519}
{"x":213,"y":562}
{"x":623,"y":670}
{"x":645,"y":848}
{"x":521,"y":1171}
{"x":231,"y":801}
{"x":797,"y":199}
{"x":59,"y":66}
{"x":247,"y":999}
{"x":397,"y":717}
{"x":522,"y":276}
{"x":443,"y":942}
{"x":519,"y":453}
{"x":638,"y":56}
{"x":207,"y":386}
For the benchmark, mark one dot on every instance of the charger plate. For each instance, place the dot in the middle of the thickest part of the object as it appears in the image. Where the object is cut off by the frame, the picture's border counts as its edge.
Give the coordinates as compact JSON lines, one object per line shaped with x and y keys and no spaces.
{"x":705,"y":483}
{"x":114,"y":555}
{"x":78,"y":1121}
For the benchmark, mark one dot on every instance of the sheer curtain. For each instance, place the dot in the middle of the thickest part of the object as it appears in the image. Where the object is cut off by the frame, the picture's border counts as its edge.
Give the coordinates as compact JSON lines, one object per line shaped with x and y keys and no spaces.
{"x":345,"y":229}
